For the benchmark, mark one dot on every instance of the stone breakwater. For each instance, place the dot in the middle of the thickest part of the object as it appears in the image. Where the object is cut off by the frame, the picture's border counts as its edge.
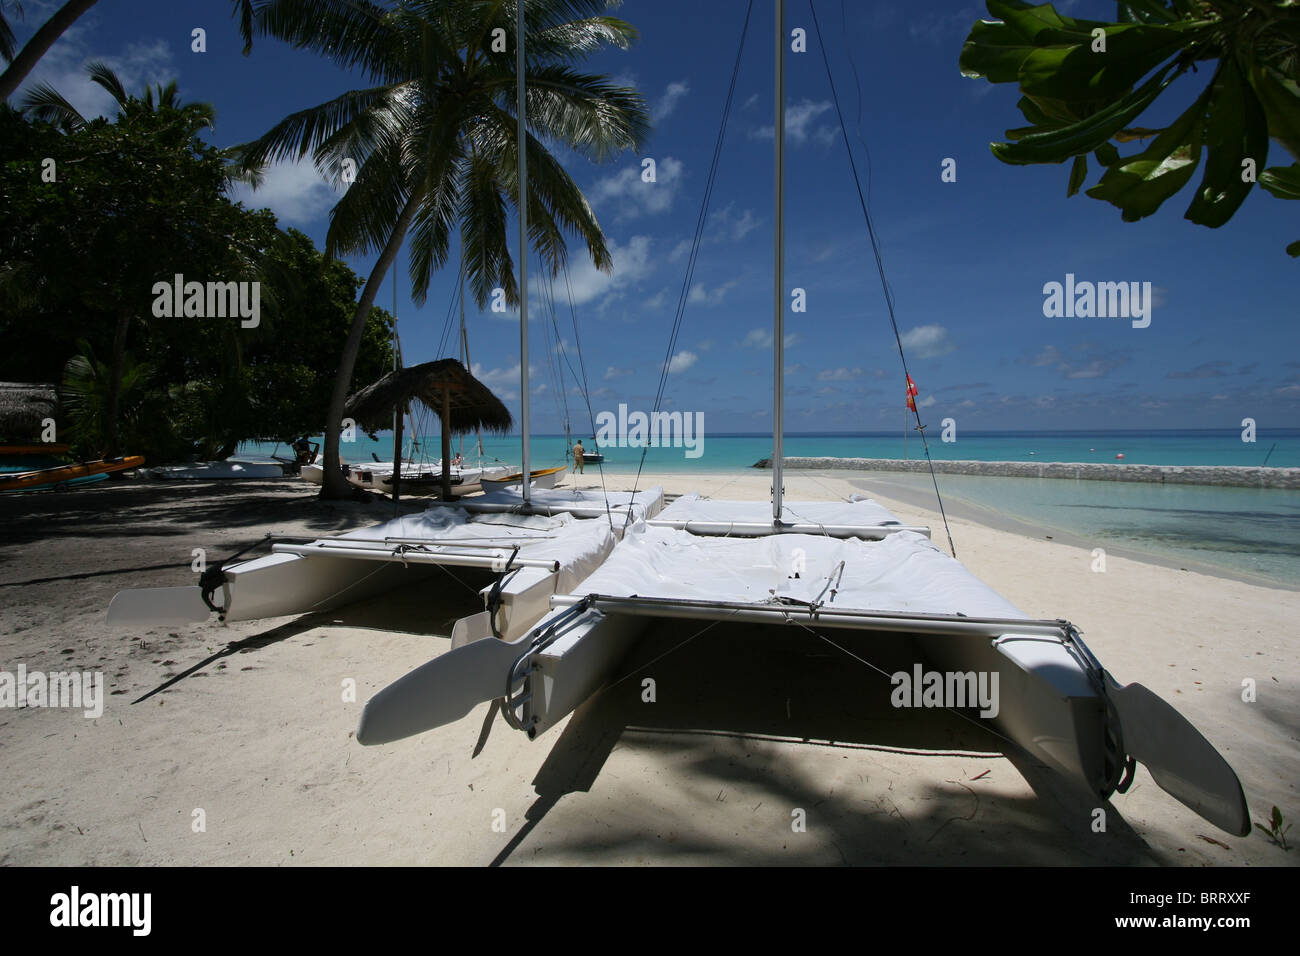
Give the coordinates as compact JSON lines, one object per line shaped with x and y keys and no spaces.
{"x":1088,"y":471}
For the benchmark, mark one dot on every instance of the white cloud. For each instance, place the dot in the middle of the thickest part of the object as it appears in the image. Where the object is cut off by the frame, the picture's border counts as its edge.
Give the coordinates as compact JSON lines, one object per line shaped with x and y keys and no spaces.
{"x":800,"y":124}
{"x":503,"y":381}
{"x":633,"y":196}
{"x":668,"y":102}
{"x":761,"y":338}
{"x":928,"y":341}
{"x":613,"y":373}
{"x":679,"y":250}
{"x":631,"y":264}
{"x":64,"y":66}
{"x":294,"y":191}
{"x":682,"y":361}
{"x":926,"y":402}
{"x":703,"y":296}
{"x":840,"y":374}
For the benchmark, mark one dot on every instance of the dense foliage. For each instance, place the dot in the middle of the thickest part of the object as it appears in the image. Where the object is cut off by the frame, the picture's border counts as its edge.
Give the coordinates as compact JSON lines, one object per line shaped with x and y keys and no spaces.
{"x":129,"y":203}
{"x":1086,"y":83}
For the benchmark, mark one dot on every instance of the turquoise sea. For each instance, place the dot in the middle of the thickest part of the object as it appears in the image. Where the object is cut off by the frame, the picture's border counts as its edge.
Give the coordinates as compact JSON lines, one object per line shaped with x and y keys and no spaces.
{"x":1249,"y":533}
{"x":724,"y":453}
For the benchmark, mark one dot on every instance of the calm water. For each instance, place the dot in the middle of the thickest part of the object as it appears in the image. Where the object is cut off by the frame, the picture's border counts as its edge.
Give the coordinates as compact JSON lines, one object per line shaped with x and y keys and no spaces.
{"x":1249,"y":531}
{"x":724,"y":453}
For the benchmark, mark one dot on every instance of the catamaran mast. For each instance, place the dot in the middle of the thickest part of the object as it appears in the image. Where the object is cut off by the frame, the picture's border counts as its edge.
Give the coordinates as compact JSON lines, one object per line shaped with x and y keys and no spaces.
{"x":397,"y":409}
{"x":464,"y":344}
{"x":778,"y":284}
{"x":523,"y":244}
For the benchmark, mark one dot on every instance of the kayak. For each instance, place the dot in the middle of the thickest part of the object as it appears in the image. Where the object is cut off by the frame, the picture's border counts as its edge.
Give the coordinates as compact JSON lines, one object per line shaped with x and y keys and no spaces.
{"x":27,"y":480}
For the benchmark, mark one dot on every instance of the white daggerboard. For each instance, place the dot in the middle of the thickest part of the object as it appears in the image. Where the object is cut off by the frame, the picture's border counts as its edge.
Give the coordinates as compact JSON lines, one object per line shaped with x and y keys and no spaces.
{"x":158,"y":606}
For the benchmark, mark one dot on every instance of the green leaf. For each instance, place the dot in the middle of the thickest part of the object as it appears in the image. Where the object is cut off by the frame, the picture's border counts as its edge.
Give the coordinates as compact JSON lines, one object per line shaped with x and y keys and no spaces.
{"x":1280,"y":98}
{"x":1146,"y":11}
{"x":1078,"y":74}
{"x":1139,"y":185}
{"x":1107,"y":154}
{"x":1282,"y":181}
{"x":993,"y":51}
{"x":1086,"y":135}
{"x":1236,"y":132}
{"x":1078,"y":173}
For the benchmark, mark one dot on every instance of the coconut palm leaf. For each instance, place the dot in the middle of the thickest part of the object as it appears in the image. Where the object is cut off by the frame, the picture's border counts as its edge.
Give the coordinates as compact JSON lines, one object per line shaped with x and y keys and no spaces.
{"x":432,"y":135}
{"x":47,"y":105}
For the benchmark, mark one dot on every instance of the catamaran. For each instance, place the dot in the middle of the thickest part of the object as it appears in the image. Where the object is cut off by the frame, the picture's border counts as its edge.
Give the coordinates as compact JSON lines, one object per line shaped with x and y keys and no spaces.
{"x":819,"y":566}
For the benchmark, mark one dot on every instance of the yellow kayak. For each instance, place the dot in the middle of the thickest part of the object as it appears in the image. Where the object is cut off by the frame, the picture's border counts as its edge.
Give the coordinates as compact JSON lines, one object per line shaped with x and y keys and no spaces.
{"x":24,"y":480}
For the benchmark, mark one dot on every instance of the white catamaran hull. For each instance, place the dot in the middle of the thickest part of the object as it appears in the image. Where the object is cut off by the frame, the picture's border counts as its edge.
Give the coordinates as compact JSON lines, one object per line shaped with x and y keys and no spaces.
{"x":1054,"y":700}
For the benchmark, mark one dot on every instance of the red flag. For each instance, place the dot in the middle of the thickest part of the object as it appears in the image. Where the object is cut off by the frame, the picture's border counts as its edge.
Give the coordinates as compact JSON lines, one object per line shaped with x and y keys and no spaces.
{"x":911,"y":393}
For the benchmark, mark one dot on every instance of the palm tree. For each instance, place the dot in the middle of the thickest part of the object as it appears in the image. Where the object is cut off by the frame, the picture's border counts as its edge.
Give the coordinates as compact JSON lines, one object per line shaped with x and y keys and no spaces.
{"x":21,"y":61}
{"x":433,"y":138}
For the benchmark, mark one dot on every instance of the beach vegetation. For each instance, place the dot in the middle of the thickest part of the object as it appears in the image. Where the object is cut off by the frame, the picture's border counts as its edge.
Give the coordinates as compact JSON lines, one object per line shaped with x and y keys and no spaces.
{"x":96,"y":213}
{"x":430,"y":144}
{"x":1276,"y":828}
{"x":1087,"y":84}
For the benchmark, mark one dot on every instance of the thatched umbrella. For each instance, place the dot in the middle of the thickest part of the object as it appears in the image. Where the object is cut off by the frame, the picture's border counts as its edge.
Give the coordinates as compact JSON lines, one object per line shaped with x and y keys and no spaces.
{"x":23,"y":407}
{"x":461,"y":402}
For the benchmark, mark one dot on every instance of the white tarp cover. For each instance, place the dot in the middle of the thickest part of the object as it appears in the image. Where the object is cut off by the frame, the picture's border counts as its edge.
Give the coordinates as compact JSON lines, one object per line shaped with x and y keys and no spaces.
{"x":902,"y":572}
{"x":578,"y":544}
{"x":860,"y":513}
{"x":585,"y":503}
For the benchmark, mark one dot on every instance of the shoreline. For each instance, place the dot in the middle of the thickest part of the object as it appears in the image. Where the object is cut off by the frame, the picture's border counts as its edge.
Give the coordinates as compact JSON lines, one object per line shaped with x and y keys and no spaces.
{"x":1226,"y":476}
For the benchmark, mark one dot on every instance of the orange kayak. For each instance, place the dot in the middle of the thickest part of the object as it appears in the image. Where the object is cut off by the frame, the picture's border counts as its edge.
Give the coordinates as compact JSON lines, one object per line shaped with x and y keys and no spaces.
{"x":23,"y":480}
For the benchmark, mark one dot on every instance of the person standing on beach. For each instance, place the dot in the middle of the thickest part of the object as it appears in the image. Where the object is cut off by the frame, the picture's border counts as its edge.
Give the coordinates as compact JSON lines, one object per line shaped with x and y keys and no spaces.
{"x":577,"y":455}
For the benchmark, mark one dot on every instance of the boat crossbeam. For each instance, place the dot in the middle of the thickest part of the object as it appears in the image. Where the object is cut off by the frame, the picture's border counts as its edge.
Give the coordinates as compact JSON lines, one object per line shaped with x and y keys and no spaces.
{"x":822,"y":616}
{"x":497,"y":559}
{"x":749,"y":529}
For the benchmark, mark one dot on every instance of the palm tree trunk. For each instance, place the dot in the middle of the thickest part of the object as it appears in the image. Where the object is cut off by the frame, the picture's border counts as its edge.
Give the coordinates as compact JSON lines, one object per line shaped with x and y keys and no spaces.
{"x":116,"y":362}
{"x":41,"y":41}
{"x":333,"y":484}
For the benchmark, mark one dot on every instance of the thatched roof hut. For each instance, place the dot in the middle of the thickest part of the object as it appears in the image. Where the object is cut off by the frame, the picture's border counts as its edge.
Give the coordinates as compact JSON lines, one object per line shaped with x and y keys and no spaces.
{"x":461,"y":402}
{"x":23,"y":407}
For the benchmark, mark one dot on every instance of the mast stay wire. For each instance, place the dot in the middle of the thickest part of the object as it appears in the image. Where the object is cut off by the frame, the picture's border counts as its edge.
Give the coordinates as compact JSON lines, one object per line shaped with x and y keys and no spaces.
{"x":880,"y":264}
{"x":695,"y":246}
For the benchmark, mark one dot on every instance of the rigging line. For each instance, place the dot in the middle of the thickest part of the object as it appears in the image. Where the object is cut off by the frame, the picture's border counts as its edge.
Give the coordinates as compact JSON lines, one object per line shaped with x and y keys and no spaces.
{"x":451,"y":308}
{"x":863,"y":660}
{"x":554,"y":346}
{"x":695,"y":242}
{"x":880,"y":268}
{"x":586,"y":398}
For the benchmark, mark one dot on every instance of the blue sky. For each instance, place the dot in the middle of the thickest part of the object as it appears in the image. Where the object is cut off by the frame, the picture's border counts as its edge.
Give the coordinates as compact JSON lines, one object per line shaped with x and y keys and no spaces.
{"x":967,"y":260}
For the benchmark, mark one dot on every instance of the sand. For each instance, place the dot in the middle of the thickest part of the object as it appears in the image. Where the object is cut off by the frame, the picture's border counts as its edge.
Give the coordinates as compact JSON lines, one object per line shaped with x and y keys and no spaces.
{"x":249,"y":758}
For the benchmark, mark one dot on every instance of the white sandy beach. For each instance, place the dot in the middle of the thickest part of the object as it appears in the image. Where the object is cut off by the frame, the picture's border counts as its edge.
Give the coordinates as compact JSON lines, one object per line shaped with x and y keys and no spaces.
{"x":259,"y":739}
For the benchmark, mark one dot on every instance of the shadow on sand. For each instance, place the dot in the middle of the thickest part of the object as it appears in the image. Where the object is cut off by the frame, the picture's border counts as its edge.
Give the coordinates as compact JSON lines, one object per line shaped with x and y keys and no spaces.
{"x":732,"y":709}
{"x":429,"y":604}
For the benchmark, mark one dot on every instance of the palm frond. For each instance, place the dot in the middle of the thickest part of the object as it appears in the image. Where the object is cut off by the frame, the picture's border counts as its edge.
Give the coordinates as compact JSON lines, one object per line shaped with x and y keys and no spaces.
{"x":304,"y":131}
{"x":352,"y":33}
{"x":103,"y":75}
{"x":45,"y":104}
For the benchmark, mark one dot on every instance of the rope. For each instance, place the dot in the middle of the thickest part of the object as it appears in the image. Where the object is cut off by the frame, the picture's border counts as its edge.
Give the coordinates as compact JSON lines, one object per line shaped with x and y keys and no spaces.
{"x":880,"y":266}
{"x":695,"y":242}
